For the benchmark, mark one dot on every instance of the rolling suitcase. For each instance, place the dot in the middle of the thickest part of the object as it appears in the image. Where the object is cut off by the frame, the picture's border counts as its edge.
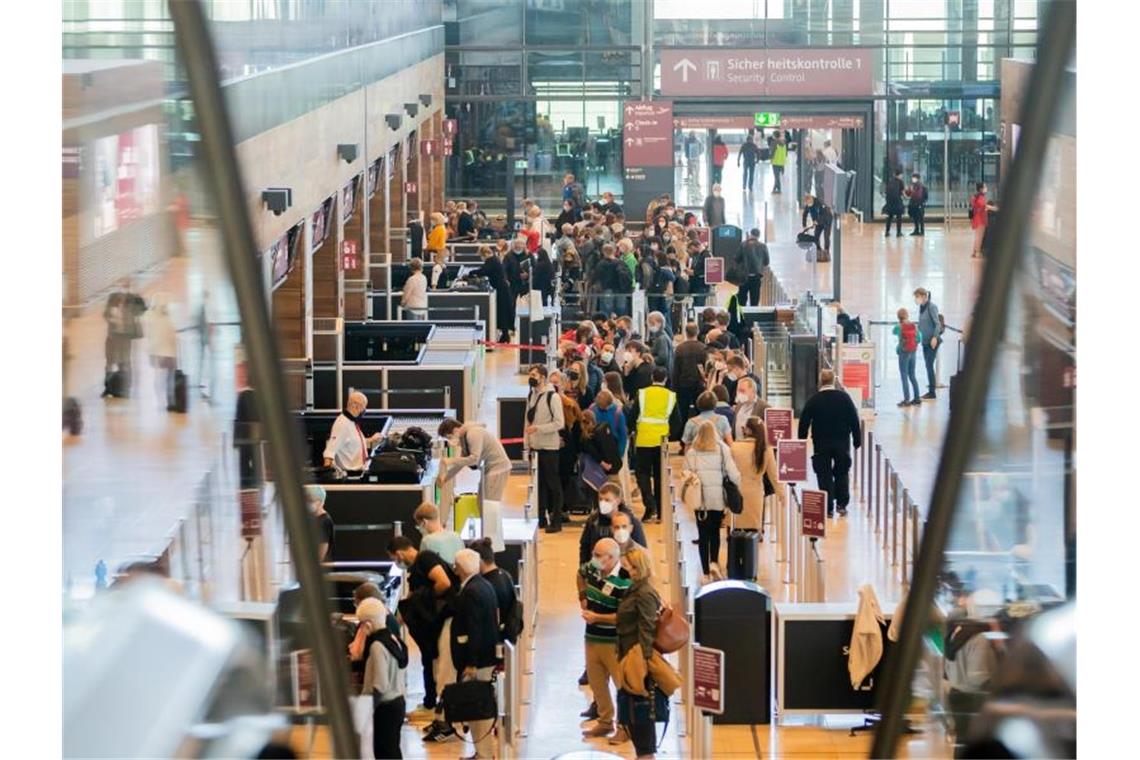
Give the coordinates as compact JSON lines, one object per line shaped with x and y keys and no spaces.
{"x":72,"y":416}
{"x":180,"y":400}
{"x":742,"y":549}
{"x":119,"y":383}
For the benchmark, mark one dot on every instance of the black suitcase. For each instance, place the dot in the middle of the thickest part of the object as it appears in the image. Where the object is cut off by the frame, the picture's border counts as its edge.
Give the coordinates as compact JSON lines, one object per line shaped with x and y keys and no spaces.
{"x":394,"y":467}
{"x":119,"y":383}
{"x":765,"y":154}
{"x":743,"y":546}
{"x":180,"y":400}
{"x":72,"y":416}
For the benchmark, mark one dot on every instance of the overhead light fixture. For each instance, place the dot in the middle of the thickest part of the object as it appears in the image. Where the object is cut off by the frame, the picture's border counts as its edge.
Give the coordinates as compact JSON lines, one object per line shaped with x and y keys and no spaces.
{"x":412,"y":109}
{"x":347,"y":151}
{"x":426,"y":100}
{"x":394,"y":121}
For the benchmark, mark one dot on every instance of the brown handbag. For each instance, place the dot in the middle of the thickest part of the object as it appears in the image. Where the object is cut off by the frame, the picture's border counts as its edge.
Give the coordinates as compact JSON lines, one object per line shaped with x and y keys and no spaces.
{"x":672,"y":631}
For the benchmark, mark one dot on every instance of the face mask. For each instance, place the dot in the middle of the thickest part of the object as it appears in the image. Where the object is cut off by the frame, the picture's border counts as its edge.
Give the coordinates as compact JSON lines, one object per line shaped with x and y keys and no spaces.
{"x":607,"y":358}
{"x":532,"y":382}
{"x":914,"y":180}
{"x":596,"y":563}
{"x":743,"y":398}
{"x":654,"y":329}
{"x":716,"y":194}
{"x":401,"y":564}
{"x":573,"y":375}
{"x":605,"y":507}
{"x":621,"y":535}
{"x":667,"y":238}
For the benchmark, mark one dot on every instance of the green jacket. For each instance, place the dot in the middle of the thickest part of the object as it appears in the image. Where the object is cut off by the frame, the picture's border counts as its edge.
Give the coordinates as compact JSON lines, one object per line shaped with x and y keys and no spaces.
{"x":630,"y":261}
{"x":637,"y":618}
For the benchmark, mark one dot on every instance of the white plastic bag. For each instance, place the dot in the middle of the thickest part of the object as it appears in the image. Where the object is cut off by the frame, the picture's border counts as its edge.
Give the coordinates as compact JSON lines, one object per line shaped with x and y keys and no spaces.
{"x":362,"y":722}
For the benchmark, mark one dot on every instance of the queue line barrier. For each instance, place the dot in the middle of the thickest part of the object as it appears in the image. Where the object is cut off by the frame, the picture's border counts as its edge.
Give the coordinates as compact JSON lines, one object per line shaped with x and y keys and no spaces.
{"x":888,"y":506}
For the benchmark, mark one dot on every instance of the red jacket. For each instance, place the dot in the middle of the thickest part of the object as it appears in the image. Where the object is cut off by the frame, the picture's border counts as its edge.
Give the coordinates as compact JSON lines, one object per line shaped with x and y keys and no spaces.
{"x":720,"y":154}
{"x":978,"y":204}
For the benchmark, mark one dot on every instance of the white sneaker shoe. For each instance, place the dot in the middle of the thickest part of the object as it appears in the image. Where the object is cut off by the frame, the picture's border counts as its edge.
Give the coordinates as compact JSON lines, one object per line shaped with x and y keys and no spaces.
{"x":714,"y":571}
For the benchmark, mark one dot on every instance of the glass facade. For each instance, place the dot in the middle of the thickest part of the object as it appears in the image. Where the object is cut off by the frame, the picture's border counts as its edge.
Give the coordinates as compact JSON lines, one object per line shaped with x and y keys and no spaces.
{"x":933,"y":57}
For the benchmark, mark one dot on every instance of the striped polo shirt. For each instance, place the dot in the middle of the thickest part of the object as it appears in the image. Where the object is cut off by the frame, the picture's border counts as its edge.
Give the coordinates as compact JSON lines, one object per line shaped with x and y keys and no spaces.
{"x":602,"y":596}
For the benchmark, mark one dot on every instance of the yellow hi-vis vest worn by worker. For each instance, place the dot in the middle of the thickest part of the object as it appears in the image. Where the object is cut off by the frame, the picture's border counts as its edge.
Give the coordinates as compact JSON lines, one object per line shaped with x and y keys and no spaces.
{"x":654,"y":404}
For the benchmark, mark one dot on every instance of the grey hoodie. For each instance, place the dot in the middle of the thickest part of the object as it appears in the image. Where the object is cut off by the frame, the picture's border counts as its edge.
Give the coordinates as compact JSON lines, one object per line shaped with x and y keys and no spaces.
{"x":928,"y":323}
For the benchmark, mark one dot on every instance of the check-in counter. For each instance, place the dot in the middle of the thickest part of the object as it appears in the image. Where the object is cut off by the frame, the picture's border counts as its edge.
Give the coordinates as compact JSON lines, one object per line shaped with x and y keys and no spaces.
{"x":542,"y":332}
{"x":445,"y":305}
{"x":811,"y":653}
{"x":512,"y":420}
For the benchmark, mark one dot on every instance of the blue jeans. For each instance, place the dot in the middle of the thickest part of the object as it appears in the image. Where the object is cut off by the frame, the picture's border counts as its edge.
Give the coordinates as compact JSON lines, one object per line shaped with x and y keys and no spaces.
{"x":906,"y":371}
{"x":928,"y":356}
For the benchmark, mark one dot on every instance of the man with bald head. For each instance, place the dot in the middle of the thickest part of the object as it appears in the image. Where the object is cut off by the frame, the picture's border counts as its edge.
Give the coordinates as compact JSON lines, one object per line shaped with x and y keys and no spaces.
{"x":347,"y":449}
{"x":601,"y":584}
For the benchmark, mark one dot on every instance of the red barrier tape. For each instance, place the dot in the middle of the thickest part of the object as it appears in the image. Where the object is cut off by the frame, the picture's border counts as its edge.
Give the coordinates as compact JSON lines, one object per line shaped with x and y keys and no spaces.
{"x":494,"y":344}
{"x":513,"y":440}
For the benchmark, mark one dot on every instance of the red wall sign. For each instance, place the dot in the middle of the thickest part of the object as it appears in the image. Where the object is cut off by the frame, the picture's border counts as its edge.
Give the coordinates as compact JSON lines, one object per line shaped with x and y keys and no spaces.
{"x":857,"y":375}
{"x":647,"y":133}
{"x":708,"y":679}
{"x":813,"y":506}
{"x":447,"y":148}
{"x":779,"y":424}
{"x":796,"y":72}
{"x":410,"y":188}
{"x":791,"y":460}
{"x":429,"y":147}
{"x":450,"y":127}
{"x":349,"y":255}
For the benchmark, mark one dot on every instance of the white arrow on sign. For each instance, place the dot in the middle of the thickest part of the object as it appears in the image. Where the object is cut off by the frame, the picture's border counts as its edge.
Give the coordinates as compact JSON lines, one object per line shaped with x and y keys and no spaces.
{"x":684,"y":65}
{"x":784,"y":469}
{"x":629,"y":141}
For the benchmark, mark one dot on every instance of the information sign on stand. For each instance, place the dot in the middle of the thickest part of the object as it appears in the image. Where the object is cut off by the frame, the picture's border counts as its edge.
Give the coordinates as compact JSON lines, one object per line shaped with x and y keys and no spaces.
{"x":306,"y":690}
{"x":714,"y":270}
{"x":791,"y":460}
{"x":856,"y":365}
{"x":813,"y":506}
{"x":250,"y":500}
{"x":779,"y":423}
{"x":708,"y":679}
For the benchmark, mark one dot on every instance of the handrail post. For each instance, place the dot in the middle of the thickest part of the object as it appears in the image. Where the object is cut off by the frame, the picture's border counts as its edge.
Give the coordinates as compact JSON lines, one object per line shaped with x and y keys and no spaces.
{"x":903,"y":539}
{"x":879,"y":474}
{"x":895,"y":500}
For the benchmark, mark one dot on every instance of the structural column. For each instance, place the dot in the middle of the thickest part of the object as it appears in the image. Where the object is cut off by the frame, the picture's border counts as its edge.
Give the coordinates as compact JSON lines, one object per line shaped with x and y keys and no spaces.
{"x":397,"y":213}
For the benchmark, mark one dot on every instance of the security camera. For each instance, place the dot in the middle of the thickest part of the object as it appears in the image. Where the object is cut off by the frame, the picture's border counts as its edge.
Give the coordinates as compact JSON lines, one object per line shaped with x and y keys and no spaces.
{"x":277,"y":199}
{"x":412,"y":109}
{"x":426,"y":100}
{"x":394,"y":121}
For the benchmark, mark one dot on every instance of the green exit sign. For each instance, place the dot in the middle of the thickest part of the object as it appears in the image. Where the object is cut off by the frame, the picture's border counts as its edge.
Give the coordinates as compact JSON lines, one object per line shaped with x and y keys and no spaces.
{"x":767,"y":119}
{"x":520,"y":165}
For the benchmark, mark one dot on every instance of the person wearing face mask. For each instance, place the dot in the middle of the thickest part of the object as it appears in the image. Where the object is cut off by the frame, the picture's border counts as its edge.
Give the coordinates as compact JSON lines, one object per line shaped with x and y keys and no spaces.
{"x":348,"y":449}
{"x":714,"y":208}
{"x":473,"y":445}
{"x":600,"y":524}
{"x":638,"y":370}
{"x":601,"y":585}
{"x":688,"y":379}
{"x":436,"y":538}
{"x":544,"y":423}
{"x":606,"y":360}
{"x":759,"y":479}
{"x":427,"y":611}
{"x":748,"y":404}
{"x":660,"y":341}
{"x":623,"y":526}
{"x":325,"y":526}
{"x":655,"y":406}
{"x":736,"y":370}
{"x":608,"y":411}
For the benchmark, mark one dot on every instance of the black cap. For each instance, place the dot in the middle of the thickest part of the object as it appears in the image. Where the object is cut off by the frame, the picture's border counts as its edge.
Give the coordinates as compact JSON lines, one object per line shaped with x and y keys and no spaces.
{"x":754,"y":232}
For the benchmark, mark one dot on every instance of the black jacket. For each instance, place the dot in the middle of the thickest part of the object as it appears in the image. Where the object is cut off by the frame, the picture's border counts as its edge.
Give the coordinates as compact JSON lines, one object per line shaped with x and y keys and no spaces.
{"x":513,"y":273}
{"x":573,"y":216}
{"x":893,"y":192}
{"x":599,"y":526}
{"x":755,"y":256}
{"x":749,"y":153}
{"x":833,"y":419}
{"x":714,"y":211}
{"x":640,"y":377}
{"x":492,"y":269}
{"x":543,"y":279}
{"x":465,"y":226}
{"x":475,"y":627}
{"x":603,"y":447}
{"x":687,"y":362}
{"x":605,"y":274}
{"x":504,"y":588}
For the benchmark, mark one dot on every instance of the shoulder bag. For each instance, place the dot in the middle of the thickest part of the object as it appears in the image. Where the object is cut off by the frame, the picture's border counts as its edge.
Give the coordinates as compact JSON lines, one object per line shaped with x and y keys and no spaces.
{"x":733,"y":499}
{"x":468,"y":701}
{"x":672,"y":631}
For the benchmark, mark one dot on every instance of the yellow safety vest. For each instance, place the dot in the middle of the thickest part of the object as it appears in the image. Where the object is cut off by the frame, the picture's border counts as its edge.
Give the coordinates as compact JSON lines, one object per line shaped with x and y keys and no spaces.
{"x":655,"y":404}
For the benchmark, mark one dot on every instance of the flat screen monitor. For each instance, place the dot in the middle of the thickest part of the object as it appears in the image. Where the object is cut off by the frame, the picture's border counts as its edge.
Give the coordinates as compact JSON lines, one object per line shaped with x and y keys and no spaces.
{"x":321,"y":223}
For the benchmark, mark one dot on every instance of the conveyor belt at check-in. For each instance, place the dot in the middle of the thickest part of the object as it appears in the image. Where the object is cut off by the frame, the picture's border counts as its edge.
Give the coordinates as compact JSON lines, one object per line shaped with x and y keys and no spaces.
{"x":429,"y":423}
{"x":436,"y":357}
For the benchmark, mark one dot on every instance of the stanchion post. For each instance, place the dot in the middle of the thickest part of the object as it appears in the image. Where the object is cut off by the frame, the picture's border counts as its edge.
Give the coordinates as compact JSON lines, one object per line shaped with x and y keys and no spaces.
{"x":879,"y":475}
{"x":867,"y":462}
{"x":896,"y":496}
{"x":903,"y":539}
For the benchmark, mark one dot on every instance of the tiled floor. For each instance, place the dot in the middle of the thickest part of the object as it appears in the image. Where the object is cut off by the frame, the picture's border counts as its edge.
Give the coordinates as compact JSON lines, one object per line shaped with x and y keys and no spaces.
{"x":103,"y":518}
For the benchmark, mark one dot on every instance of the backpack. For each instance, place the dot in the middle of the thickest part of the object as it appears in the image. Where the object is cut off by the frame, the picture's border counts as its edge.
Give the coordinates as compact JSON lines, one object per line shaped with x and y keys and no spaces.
{"x":577,"y":195}
{"x":908,"y":337}
{"x":941,"y":323}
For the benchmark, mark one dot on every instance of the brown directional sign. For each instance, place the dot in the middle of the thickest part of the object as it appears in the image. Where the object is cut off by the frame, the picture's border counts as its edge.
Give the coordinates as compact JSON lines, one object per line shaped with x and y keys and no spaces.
{"x":708,"y":679}
{"x":647,"y":133}
{"x":778,"y":72}
{"x":813,"y":512}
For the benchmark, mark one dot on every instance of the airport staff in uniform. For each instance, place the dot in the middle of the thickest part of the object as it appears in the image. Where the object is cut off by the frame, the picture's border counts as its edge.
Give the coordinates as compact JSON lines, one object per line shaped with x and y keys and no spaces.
{"x":475,"y":444}
{"x":348,"y":447}
{"x":654,"y":406}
